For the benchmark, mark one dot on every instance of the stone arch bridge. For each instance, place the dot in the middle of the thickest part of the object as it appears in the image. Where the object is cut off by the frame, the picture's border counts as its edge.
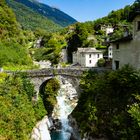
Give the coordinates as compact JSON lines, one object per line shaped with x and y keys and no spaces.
{"x":40,"y":76}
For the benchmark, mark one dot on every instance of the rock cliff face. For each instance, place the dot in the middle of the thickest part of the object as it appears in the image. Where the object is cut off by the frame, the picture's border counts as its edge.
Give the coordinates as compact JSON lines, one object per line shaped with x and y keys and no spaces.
{"x":41,"y":130}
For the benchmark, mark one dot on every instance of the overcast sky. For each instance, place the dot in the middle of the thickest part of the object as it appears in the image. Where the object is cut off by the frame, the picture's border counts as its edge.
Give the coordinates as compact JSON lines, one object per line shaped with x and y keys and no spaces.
{"x":87,"y":10}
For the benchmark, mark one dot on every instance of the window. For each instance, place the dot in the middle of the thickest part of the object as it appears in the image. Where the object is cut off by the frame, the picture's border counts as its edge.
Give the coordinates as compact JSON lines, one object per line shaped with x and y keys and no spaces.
{"x":89,"y":55}
{"x":138,"y":25}
{"x":117,"y":46}
{"x":98,"y":55}
{"x":110,"y":54}
{"x":116,"y":65}
{"x":89,"y":61}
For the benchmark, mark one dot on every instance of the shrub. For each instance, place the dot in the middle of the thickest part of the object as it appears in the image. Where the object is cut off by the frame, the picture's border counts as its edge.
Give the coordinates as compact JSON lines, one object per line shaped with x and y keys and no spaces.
{"x":104,"y":102}
{"x":101,"y":62}
{"x":49,"y":94}
{"x":17,"y":114}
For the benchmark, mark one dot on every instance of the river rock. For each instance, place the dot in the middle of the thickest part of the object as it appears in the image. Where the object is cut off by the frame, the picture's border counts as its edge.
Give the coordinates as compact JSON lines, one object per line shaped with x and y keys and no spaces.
{"x":41,"y":130}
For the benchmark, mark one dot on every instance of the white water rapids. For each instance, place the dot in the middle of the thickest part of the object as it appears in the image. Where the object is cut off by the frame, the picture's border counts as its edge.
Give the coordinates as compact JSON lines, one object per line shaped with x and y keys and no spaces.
{"x":66,"y":102}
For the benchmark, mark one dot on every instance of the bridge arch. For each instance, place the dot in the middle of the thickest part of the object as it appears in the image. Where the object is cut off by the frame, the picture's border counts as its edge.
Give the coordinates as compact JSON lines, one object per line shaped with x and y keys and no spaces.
{"x":71,"y":74}
{"x":40,"y":82}
{"x":43,"y":84}
{"x":39,"y":76}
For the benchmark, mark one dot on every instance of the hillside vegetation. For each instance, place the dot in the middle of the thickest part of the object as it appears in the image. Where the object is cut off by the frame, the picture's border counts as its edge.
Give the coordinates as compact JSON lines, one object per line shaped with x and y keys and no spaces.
{"x":18,"y":113}
{"x":51,"y":50}
{"x":12,"y":39}
{"x":33,"y":14}
{"x":30,"y":19}
{"x":109,"y":105}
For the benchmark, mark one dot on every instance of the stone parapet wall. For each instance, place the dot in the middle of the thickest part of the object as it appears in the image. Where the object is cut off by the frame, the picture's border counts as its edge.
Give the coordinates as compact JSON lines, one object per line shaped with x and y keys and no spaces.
{"x":75,"y":72}
{"x":51,"y":72}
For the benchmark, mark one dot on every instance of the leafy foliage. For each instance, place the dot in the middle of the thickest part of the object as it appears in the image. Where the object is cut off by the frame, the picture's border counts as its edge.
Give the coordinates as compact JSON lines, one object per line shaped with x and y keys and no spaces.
{"x":11,"y":54}
{"x":13,"y":39}
{"x":134,"y":110}
{"x":51,"y":51}
{"x":101,"y":62}
{"x":17,"y":115}
{"x":104,"y":102}
{"x":77,"y":39}
{"x":9,"y":28}
{"x":49,"y":94}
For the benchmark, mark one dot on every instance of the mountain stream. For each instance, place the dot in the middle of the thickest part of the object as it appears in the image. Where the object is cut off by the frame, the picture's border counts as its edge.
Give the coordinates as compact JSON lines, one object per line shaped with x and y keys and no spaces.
{"x":66,"y":101}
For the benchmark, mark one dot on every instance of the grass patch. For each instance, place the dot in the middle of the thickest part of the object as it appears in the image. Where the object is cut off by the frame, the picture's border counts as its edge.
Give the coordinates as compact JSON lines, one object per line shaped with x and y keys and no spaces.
{"x":20,"y":67}
{"x":2,"y":76}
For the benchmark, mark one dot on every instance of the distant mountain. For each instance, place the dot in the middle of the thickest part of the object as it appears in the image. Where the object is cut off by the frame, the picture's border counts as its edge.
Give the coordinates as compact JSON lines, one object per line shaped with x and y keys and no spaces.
{"x":31,"y":13}
{"x":30,"y":19}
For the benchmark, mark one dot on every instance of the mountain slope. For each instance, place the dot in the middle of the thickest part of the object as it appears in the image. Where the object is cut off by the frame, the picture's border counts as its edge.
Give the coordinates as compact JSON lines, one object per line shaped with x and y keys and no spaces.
{"x":9,"y":27}
{"x":42,"y":10}
{"x":30,"y":19}
{"x":12,"y":39}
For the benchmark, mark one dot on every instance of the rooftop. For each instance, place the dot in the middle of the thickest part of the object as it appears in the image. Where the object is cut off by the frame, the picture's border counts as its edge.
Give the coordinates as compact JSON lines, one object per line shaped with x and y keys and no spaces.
{"x":88,"y":50}
{"x":123,"y":39}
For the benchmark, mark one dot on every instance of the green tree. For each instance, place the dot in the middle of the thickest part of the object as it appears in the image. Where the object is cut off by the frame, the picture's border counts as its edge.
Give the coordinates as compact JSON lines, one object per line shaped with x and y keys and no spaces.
{"x":77,"y":39}
{"x":104,"y":101}
{"x":49,"y":94}
{"x":18,"y":114}
{"x":101,"y":62}
{"x":134,"y":110}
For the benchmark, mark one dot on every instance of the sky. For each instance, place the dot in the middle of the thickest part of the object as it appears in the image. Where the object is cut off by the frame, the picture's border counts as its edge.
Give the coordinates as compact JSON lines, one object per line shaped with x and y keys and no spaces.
{"x":87,"y":10}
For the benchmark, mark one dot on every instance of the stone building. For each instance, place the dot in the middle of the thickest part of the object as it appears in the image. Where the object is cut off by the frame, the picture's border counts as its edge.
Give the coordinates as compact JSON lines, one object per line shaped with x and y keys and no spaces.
{"x":127,"y":49}
{"x":87,"y":57}
{"x":107,"y":29}
{"x":64,"y":55}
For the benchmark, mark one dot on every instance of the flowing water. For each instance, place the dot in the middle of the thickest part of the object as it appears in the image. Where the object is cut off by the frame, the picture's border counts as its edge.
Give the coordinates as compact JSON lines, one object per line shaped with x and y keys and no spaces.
{"x":66,"y":102}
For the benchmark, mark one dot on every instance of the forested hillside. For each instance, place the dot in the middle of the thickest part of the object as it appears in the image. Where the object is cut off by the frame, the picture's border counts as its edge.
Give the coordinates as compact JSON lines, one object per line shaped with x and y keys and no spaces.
{"x":13,"y":40}
{"x":9,"y":26}
{"x":51,"y":50}
{"x":52,"y":17}
{"x":30,"y":19}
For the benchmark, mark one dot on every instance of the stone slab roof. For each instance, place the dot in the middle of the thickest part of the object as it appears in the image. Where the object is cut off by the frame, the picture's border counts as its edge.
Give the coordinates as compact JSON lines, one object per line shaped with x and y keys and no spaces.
{"x":123,"y":39}
{"x":88,"y":50}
